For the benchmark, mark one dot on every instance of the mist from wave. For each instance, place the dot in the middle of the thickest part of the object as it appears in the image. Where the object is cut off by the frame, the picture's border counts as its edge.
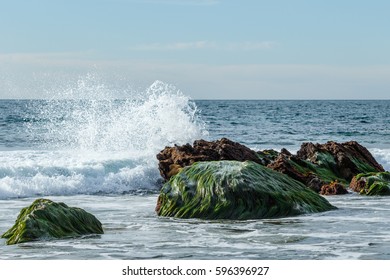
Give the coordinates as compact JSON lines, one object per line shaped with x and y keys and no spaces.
{"x":87,"y":142}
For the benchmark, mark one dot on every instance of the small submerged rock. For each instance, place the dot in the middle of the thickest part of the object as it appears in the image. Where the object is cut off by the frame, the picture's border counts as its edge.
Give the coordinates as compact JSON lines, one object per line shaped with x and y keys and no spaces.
{"x":45,"y":219}
{"x":333,"y":188}
{"x":371,"y":183}
{"x":236,"y":190}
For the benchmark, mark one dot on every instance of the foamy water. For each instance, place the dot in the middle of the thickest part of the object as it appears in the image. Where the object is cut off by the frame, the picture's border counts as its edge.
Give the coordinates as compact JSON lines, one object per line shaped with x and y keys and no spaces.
{"x":91,"y":144}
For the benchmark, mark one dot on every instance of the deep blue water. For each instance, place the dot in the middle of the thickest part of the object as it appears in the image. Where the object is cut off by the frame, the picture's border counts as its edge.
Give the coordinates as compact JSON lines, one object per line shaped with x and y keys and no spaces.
{"x":282,"y":123}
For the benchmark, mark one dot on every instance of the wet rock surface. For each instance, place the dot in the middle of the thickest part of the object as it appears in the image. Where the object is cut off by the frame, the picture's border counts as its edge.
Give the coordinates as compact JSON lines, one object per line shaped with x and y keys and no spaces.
{"x":45,"y":219}
{"x":172,"y":159}
{"x":236,"y":190}
{"x":317,"y":166}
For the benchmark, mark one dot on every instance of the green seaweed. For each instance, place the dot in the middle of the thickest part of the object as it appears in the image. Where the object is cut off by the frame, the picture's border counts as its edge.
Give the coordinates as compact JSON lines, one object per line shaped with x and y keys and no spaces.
{"x":267,"y":156}
{"x":325,"y":169}
{"x":236,"y":190}
{"x":363,"y":167}
{"x":377,"y":183}
{"x":45,"y":219}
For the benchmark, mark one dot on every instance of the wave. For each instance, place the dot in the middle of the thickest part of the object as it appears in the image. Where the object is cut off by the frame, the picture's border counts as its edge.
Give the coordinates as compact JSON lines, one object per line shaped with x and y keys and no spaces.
{"x":382,"y":156}
{"x":27,"y":173}
{"x":90,"y":118}
{"x":92,"y":144}
{"x":37,"y":173}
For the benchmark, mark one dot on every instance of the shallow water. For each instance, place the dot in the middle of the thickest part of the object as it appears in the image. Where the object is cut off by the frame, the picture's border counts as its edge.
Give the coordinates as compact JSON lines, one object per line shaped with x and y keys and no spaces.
{"x":358,"y":229}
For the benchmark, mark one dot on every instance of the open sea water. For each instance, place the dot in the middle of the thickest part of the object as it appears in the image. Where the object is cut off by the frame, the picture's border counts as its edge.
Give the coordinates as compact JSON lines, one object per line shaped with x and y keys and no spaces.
{"x":89,"y":150}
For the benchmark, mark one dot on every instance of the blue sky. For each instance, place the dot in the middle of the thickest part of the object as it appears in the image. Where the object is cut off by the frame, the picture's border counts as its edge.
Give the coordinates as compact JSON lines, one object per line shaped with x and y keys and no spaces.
{"x":297,"y":49}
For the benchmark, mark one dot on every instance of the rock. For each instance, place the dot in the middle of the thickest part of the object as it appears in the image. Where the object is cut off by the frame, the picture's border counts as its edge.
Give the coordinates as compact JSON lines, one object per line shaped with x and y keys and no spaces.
{"x":333,"y":188}
{"x":300,"y":170}
{"x":371,"y":183}
{"x":236,"y":190}
{"x":45,"y":219}
{"x":316,"y":165}
{"x":344,"y":159}
{"x":268,"y":156}
{"x":173,"y":159}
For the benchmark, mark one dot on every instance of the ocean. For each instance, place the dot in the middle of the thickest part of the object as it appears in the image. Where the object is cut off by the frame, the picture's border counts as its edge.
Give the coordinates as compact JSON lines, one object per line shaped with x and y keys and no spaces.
{"x":90,"y":150}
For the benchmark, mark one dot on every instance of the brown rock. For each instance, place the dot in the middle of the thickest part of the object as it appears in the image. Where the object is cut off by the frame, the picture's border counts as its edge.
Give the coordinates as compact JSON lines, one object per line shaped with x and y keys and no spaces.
{"x":172,"y":159}
{"x":317,"y":165}
{"x":357,"y":185}
{"x":293,"y":167}
{"x":333,"y":188}
{"x":350,"y":158}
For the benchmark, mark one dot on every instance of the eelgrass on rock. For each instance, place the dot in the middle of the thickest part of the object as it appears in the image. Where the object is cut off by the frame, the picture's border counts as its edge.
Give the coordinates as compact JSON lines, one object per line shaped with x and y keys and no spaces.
{"x":236,"y":190}
{"x":45,"y":219}
{"x":372,"y":183}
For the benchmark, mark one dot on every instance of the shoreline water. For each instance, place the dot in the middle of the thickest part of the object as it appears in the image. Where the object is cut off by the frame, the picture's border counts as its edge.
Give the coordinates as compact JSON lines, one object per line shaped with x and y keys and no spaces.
{"x":137,"y":233}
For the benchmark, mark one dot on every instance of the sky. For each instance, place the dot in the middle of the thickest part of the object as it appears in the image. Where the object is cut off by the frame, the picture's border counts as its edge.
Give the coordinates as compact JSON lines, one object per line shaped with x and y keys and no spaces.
{"x":209,"y":49}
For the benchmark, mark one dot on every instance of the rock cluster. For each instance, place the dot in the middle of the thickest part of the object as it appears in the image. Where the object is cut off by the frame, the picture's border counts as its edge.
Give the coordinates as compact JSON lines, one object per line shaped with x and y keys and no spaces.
{"x":225,"y":180}
{"x":325,"y":168}
{"x":318,"y":165}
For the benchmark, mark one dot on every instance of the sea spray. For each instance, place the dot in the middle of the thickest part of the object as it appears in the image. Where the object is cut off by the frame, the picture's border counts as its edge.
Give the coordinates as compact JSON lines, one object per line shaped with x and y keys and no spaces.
{"x":88,"y":142}
{"x":91,"y":118}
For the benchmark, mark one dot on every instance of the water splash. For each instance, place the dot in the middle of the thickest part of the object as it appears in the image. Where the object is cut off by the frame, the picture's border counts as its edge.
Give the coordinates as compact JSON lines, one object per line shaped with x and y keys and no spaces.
{"x":90,"y":118}
{"x":91,"y":143}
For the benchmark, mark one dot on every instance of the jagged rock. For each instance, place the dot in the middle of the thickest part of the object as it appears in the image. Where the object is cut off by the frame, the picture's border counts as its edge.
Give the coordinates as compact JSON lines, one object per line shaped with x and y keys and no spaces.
{"x":45,"y":219}
{"x":317,"y":165}
{"x":300,"y":170}
{"x":268,"y":156}
{"x":333,"y":188}
{"x":314,"y":165}
{"x":371,"y":183}
{"x":172,"y":159}
{"x":235,"y":190}
{"x":344,"y":159}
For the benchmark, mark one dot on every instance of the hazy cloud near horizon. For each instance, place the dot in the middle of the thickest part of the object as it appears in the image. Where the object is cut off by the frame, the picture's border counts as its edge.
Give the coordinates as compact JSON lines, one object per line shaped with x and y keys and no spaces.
{"x":209,"y":49}
{"x":41,"y":76}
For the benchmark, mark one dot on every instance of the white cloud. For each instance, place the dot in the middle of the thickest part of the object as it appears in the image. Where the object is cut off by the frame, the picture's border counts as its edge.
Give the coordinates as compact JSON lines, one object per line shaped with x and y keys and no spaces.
{"x":183,"y":2}
{"x":29,"y":75}
{"x":48,"y":59}
{"x":249,"y":46}
{"x":173,"y":46}
{"x":205,"y":45}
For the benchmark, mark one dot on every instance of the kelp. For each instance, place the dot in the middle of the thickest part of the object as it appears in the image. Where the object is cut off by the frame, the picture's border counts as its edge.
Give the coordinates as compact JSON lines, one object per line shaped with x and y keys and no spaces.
{"x":236,"y":190}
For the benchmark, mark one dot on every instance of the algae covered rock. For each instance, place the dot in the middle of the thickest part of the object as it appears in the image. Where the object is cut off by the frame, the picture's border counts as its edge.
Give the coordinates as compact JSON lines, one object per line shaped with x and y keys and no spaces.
{"x":345,"y":160}
{"x":371,"y":183}
{"x":45,"y":219}
{"x":318,"y":165}
{"x":235,"y":190}
{"x":172,"y":159}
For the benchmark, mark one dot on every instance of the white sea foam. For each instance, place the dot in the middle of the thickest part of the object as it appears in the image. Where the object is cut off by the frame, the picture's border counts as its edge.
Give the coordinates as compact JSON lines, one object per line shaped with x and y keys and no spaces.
{"x":382,"y":156}
{"x":93,"y":144}
{"x":30,"y":173}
